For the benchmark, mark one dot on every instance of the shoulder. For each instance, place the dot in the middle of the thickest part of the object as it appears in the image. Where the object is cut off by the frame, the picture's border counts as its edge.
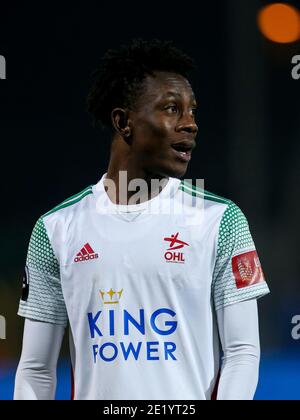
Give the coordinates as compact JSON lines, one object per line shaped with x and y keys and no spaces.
{"x":212,"y":201}
{"x":228,"y":211}
{"x":70,"y":202}
{"x":55,"y":220}
{"x":197,"y":191}
{"x":231,"y":225}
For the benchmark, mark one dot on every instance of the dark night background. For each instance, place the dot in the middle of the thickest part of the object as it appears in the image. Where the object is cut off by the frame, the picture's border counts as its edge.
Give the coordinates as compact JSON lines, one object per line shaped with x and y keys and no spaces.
{"x":248,"y":142}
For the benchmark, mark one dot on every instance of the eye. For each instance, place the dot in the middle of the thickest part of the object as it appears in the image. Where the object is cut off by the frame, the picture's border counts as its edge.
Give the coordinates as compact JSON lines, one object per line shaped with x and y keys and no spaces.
{"x":171,"y":108}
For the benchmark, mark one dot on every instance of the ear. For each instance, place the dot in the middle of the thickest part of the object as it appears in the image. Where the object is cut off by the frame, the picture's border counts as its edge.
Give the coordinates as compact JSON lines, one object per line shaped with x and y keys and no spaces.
{"x":121,"y":122}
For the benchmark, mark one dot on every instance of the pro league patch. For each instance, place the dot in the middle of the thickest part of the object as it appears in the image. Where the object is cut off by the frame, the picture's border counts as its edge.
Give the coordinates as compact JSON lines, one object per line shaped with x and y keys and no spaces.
{"x":25,"y":285}
{"x":247,"y":270}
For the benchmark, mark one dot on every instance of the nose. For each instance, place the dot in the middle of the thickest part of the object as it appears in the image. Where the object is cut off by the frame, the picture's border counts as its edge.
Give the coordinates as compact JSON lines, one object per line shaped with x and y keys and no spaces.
{"x":187,"y":125}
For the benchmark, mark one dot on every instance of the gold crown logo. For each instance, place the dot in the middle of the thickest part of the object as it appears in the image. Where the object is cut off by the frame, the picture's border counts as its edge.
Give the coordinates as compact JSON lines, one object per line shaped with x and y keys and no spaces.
{"x":114,"y":296}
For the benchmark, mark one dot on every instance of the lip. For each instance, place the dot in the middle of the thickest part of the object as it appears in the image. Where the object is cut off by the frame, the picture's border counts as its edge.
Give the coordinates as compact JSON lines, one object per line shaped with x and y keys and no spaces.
{"x":188,"y":144}
{"x":183,"y":156}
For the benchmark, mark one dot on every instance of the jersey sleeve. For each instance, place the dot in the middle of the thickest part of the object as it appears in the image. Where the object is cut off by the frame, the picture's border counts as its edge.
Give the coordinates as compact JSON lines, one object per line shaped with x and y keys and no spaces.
{"x":238,"y":274}
{"x":42,"y":298}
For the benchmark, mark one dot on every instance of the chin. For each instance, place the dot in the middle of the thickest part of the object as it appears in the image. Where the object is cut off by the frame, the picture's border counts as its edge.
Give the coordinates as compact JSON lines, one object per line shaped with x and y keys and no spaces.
{"x":175,"y":171}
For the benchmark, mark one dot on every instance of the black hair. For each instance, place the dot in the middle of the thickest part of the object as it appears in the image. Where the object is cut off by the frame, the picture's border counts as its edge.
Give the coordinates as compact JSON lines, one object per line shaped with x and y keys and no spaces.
{"x":119,"y":79}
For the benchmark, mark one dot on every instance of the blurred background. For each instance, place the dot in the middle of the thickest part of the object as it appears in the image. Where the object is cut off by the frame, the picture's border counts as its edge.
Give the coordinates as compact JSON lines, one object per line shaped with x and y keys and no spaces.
{"x":248,"y":143}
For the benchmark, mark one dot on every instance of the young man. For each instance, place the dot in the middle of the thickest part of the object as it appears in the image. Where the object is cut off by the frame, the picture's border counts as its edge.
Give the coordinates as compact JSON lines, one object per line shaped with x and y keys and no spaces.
{"x":161,"y":304}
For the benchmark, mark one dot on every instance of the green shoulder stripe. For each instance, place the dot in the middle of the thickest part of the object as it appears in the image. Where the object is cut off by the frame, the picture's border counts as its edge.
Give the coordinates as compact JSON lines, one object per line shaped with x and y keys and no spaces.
{"x":71,"y":200}
{"x":78,"y":194}
{"x":200,"y":192}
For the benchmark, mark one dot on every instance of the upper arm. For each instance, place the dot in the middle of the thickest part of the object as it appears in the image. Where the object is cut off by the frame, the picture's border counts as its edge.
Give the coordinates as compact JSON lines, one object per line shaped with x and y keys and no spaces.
{"x":43,"y":300}
{"x":237,"y":275}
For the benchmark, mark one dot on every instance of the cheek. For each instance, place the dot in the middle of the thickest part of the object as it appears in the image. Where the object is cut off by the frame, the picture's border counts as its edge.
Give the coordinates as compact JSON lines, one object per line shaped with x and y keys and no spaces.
{"x":151,"y":136}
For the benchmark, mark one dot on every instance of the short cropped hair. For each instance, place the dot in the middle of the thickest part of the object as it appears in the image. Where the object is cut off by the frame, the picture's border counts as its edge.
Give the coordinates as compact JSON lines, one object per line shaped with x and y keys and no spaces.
{"x":119,"y":79}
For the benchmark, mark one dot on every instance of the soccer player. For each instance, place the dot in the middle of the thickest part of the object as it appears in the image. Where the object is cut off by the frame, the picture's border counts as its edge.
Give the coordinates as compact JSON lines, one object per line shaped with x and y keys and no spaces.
{"x":158,"y":279}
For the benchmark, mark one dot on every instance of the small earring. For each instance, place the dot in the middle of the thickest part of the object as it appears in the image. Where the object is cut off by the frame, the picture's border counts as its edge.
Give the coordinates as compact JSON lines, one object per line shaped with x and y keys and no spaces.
{"x":127,"y":132}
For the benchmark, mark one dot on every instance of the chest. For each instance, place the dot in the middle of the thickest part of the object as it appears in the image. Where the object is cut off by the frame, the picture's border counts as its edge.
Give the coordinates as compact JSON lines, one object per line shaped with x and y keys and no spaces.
{"x":110,"y":265}
{"x":152,"y":245}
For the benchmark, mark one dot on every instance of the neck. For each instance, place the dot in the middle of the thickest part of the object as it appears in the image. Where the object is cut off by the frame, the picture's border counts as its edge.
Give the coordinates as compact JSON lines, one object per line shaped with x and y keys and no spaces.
{"x":126,"y":179}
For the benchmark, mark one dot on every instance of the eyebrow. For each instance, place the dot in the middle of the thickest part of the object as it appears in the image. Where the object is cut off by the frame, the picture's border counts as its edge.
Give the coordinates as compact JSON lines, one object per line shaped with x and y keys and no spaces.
{"x":175,"y":94}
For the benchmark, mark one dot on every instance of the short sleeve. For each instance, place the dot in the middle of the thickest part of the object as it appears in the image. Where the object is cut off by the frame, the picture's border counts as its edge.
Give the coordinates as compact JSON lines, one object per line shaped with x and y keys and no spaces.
{"x":238,"y":274}
{"x":42,"y":298}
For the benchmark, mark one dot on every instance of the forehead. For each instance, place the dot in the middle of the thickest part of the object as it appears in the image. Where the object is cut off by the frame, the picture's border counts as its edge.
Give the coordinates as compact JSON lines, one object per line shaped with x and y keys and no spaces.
{"x":165,"y":84}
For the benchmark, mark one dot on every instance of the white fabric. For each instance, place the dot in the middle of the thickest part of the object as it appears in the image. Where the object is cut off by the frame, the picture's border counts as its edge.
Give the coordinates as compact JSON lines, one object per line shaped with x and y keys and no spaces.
{"x":239,"y":334}
{"x":238,"y":328}
{"x":36,"y":373}
{"x":138,"y":309}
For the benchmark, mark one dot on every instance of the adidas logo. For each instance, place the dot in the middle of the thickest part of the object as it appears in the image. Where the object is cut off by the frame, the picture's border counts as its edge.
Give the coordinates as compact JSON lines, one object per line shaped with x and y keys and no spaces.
{"x":86,"y":253}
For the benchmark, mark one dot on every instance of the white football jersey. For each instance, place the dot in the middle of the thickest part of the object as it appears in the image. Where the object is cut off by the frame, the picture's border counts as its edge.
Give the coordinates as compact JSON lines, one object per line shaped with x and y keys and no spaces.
{"x":140,"y":289}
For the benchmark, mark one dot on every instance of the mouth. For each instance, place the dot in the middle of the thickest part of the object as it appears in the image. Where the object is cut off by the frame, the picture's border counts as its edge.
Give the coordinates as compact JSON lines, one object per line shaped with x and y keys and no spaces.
{"x":183,"y":150}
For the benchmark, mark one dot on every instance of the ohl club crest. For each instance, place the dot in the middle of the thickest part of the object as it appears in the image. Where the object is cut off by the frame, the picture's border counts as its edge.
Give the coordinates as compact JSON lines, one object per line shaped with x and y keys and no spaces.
{"x":173,"y":255}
